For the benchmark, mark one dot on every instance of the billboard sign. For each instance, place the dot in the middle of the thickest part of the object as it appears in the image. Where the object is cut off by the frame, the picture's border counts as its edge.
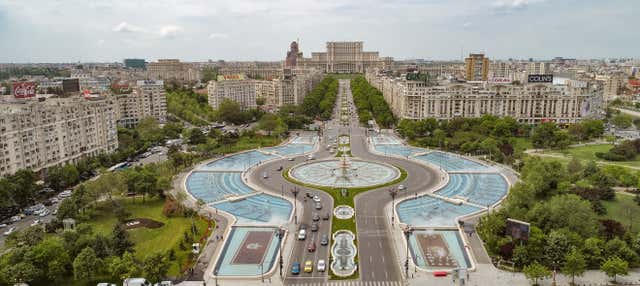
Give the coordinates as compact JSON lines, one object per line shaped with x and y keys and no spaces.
{"x":24,"y":89}
{"x":502,"y":80}
{"x":540,"y":78}
{"x":518,"y":229}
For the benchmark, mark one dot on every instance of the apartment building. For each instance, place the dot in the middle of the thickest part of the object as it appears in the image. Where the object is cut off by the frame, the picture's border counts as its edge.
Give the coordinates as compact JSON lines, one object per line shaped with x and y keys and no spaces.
{"x":476,"y":67}
{"x":234,"y":87}
{"x":148,"y":99}
{"x":166,"y":69}
{"x":529,"y":102}
{"x":37,"y":134}
{"x":538,"y":68}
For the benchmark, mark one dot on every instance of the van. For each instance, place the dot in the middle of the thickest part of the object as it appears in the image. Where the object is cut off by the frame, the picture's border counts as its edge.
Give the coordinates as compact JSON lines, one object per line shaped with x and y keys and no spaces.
{"x":136,"y":282}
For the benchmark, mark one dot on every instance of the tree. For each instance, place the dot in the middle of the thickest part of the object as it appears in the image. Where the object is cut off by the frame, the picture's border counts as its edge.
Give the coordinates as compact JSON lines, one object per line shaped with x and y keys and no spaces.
{"x":271,"y":122}
{"x":535,"y":271}
{"x":556,"y":249}
{"x":623,"y":121}
{"x":593,"y":250}
{"x":155,"y":267}
{"x":120,"y":242}
{"x":196,"y":137}
{"x":574,"y":265}
{"x":22,"y":272}
{"x":565,"y":211}
{"x":615,"y":266}
{"x":230,"y":111}
{"x":86,"y":264}
{"x":125,"y":266}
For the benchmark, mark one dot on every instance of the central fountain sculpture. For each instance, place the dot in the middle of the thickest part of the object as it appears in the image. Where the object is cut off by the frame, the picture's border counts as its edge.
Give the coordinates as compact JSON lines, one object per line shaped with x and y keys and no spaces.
{"x":344,"y":173}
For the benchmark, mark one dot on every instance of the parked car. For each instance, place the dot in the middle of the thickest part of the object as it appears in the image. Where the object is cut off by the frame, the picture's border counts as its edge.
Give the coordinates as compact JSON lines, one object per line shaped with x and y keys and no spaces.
{"x":322,"y":265}
{"x":295,"y":268}
{"x":3,"y":225}
{"x":35,"y":222}
{"x":324,"y":239}
{"x":136,"y":282}
{"x":106,"y":284}
{"x":164,"y":283}
{"x":308,"y":266}
{"x":44,"y":213}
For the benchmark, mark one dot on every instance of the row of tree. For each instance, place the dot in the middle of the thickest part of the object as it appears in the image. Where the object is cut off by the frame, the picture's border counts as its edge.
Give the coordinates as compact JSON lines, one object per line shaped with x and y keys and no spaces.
{"x":320,"y":101}
{"x":370,"y":103}
{"x":190,"y":106}
{"x":567,"y":231}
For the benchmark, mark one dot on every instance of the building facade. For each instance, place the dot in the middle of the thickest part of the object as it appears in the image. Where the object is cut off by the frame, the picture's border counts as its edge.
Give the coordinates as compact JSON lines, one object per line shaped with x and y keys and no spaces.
{"x":538,"y":68}
{"x":148,"y":99}
{"x":40,"y":134}
{"x":234,"y":87}
{"x":476,"y":67}
{"x":166,"y":69}
{"x":528,"y":103}
{"x":339,"y":57}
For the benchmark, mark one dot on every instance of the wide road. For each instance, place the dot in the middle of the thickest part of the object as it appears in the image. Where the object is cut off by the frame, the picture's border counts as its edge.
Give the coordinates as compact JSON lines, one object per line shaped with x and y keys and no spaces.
{"x":377,"y":258}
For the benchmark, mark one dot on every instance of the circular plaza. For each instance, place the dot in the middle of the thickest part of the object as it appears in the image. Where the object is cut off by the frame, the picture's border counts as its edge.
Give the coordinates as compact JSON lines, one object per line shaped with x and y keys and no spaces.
{"x":344,"y":173}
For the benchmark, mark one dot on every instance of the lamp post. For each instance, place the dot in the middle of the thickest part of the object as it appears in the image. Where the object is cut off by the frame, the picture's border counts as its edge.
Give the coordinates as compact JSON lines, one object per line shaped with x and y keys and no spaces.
{"x":215,"y":276}
{"x":280,"y":236}
{"x":295,"y":192}
{"x":393,"y":192}
{"x":407,"y":232}
{"x":262,"y":272}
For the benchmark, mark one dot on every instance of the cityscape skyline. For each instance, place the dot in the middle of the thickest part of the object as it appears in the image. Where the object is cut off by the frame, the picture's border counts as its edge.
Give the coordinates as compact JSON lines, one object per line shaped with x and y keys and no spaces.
{"x":108,"y":31}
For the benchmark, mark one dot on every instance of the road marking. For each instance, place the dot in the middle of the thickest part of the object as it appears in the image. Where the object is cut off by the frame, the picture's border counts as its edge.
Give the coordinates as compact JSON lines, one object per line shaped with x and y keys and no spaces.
{"x":380,"y":244}
{"x":386,"y":274}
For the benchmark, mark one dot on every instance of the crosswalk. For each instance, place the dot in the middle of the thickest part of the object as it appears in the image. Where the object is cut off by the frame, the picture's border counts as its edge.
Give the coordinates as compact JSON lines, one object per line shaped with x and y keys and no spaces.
{"x":349,"y":283}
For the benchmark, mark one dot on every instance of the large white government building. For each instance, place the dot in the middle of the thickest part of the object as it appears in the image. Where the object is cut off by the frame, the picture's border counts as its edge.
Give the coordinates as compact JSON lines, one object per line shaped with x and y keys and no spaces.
{"x":38,"y":134}
{"x":528,"y":102}
{"x":339,"y":57}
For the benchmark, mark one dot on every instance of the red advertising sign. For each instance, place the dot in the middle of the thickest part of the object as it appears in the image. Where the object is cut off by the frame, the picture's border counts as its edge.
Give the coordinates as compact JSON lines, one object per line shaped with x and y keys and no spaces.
{"x":24,"y":89}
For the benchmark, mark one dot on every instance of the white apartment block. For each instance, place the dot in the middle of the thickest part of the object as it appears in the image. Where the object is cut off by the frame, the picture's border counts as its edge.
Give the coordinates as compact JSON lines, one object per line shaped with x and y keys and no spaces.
{"x":528,"y":103}
{"x":612,"y":85}
{"x":538,"y":68}
{"x":233,"y":87}
{"x":148,"y":99}
{"x":40,"y":134}
{"x":166,"y":69}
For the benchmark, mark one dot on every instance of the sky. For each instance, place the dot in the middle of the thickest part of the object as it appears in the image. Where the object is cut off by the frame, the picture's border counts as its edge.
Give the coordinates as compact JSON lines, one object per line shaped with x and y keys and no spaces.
{"x":199,"y":30}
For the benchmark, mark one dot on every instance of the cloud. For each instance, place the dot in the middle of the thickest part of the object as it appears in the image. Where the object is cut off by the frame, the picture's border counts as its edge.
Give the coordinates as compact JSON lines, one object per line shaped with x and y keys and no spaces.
{"x":101,"y":42}
{"x":507,"y":7}
{"x":125,"y":27}
{"x":170,"y":31}
{"x":218,"y":36}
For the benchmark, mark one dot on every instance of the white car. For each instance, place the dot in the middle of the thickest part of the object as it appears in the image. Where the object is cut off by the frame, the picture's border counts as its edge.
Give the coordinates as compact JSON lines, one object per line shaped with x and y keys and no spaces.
{"x":3,"y":225}
{"x":322,"y":265}
{"x":316,"y":198}
{"x":302,"y":235}
{"x":10,"y":231}
{"x":35,"y":222}
{"x":44,"y":213}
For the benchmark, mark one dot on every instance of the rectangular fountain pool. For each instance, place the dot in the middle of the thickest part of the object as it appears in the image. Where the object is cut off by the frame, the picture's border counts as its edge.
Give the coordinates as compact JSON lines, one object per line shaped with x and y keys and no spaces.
{"x":428,"y":211}
{"x":215,"y":186}
{"x":290,"y":149}
{"x":438,"y":250}
{"x":482,"y":189}
{"x":260,"y":209}
{"x":450,"y":162}
{"x":248,"y":251}
{"x":398,"y":150}
{"x":238,"y":162}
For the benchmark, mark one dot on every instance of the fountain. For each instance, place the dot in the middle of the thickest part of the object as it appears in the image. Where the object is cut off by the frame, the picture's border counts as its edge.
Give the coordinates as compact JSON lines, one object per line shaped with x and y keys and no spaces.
{"x":344,"y":253}
{"x":343,"y":212}
{"x":344,"y":173}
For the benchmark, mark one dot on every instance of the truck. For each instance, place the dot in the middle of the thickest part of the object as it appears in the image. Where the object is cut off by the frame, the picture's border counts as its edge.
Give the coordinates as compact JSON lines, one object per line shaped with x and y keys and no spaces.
{"x":136,"y":282}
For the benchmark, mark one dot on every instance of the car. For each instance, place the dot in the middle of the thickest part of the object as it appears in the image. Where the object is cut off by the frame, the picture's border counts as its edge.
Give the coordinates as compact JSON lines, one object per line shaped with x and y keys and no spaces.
{"x":321,"y":266}
{"x":326,"y":216}
{"x":308,"y":266}
{"x":316,"y":217}
{"x":316,"y":198}
{"x":55,"y":212}
{"x":44,"y":213}
{"x":164,"y":283}
{"x":309,"y":195}
{"x":295,"y":268}
{"x":315,"y":227}
{"x":3,"y":225}
{"x":311,"y":247}
{"x":318,"y":205}
{"x":324,"y":239}
{"x":15,"y":218}
{"x":9,"y":231}
{"x":265,"y":175}
{"x":106,"y":284}
{"x":302,"y":235}
{"x":303,"y":226}
{"x":291,"y":159}
{"x":279,"y":168}
{"x":310,"y":157}
{"x":35,"y":222}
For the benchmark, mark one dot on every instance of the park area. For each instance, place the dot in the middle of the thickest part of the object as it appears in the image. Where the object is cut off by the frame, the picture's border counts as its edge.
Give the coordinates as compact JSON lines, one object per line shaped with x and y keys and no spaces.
{"x":151,"y":240}
{"x":624,"y":210}
{"x":588,"y":153}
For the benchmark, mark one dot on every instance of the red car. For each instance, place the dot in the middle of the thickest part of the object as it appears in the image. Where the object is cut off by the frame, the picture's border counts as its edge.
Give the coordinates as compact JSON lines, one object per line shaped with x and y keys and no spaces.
{"x":311,"y":247}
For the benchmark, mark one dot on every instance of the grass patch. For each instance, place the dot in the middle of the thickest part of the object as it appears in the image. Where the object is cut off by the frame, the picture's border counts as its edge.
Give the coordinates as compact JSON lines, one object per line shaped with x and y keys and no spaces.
{"x":146,"y":240}
{"x":624,"y":210}
{"x":588,"y":153}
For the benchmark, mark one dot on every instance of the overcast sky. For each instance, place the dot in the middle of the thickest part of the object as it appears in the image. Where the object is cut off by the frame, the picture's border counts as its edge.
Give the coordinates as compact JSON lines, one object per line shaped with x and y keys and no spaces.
{"x":198,"y":30}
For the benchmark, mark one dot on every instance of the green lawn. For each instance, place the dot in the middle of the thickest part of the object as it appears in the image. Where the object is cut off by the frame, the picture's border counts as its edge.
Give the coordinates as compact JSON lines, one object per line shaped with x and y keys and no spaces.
{"x":588,"y":153}
{"x":149,"y":241}
{"x":624,"y":210}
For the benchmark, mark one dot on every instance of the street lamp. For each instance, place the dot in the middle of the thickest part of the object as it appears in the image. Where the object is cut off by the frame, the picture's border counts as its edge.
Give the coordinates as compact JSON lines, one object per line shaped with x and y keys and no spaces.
{"x":295,"y":192}
{"x":280,"y":236}
{"x":393,"y":192}
{"x":215,"y":276}
{"x":407,"y":232}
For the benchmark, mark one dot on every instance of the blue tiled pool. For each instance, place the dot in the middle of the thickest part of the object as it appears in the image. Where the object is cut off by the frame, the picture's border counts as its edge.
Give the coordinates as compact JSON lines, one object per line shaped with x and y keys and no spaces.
{"x":237,"y":162}
{"x":397,"y":149}
{"x":385,"y":139}
{"x":435,"y":254}
{"x":214,"y":186}
{"x":482,"y":189}
{"x":428,"y":211}
{"x":309,"y":140}
{"x":260,"y":209}
{"x":226,"y":265}
{"x":290,"y":149}
{"x":450,"y":162}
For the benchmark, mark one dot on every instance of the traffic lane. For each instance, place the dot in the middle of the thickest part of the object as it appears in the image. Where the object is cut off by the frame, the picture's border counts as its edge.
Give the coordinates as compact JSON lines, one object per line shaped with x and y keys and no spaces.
{"x":377,"y":260}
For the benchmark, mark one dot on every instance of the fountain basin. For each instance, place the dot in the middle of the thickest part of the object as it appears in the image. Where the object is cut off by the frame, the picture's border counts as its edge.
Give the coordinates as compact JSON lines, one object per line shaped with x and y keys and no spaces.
{"x":343,"y":252}
{"x":343,"y":212}
{"x":344,"y":173}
